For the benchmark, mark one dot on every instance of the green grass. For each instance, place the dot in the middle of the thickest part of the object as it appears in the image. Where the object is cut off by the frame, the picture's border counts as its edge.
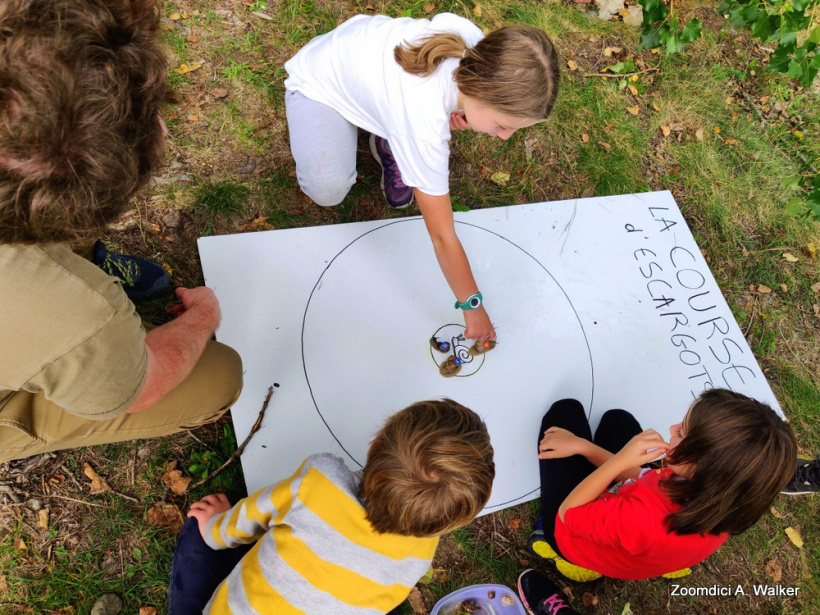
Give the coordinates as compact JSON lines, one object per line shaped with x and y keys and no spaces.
{"x":224,"y":200}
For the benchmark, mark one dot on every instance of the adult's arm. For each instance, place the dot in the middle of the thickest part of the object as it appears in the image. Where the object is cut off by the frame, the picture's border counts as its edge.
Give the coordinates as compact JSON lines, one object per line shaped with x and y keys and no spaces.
{"x":437,"y":212}
{"x":641,"y":449}
{"x":174,"y":348}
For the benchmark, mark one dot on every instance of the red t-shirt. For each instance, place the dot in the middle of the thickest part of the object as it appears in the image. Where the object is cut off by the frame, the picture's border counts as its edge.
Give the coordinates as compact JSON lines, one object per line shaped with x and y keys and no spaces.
{"x":623,"y":535}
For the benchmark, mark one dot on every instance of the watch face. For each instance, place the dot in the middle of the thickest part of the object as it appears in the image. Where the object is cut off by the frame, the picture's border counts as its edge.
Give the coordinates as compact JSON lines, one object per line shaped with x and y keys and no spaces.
{"x":475,"y":302}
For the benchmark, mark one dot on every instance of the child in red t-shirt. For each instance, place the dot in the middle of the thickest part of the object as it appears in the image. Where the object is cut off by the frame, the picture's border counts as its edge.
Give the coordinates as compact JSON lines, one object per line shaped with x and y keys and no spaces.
{"x":725,"y":463}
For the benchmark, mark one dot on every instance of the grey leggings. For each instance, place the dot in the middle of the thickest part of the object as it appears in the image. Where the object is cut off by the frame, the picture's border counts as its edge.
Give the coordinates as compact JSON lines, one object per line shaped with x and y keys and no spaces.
{"x":323,"y":144}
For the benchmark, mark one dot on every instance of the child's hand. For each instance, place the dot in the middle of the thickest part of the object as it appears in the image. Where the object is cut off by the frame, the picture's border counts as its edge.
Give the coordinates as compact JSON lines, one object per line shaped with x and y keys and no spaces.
{"x":478,"y":324}
{"x":641,"y":449}
{"x":558,"y":443}
{"x":207,"y":507}
{"x":458,"y":121}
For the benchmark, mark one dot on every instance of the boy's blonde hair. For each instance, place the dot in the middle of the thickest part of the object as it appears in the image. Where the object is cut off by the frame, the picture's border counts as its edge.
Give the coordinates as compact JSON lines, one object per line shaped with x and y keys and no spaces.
{"x":429,"y":470}
{"x":513,"y":70}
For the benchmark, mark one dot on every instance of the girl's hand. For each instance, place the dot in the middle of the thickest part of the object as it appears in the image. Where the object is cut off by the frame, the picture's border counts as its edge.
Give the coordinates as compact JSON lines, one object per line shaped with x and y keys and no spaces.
{"x":558,"y":443}
{"x":641,"y":449}
{"x":478,"y":324}
{"x":458,"y":121}
{"x":207,"y":507}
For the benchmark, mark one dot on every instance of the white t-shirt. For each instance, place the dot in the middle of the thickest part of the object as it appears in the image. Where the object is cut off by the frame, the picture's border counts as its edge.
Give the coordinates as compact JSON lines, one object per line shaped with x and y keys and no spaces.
{"x":352,"y":70}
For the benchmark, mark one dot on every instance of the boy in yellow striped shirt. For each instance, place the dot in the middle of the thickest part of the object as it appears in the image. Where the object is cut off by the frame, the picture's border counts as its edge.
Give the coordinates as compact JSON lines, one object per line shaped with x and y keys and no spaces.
{"x":327,"y":541}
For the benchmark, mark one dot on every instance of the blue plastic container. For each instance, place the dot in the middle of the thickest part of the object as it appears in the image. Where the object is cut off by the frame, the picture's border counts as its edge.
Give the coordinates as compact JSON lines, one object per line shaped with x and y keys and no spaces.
{"x":480,"y":600}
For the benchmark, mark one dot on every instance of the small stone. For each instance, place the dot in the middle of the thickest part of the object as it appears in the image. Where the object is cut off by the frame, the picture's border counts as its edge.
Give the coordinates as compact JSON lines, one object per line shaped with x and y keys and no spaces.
{"x":634,"y":16}
{"x":108,"y":604}
{"x":34,"y":504}
{"x":608,"y":8}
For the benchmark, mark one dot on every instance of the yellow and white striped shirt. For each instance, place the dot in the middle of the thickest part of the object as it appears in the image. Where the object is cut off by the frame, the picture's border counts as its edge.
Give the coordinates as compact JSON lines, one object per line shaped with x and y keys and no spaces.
{"x":315,"y":551}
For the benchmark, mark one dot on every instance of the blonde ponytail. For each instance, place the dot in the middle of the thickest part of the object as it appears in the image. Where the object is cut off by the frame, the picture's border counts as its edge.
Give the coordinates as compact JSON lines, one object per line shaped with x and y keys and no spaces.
{"x":424,"y":57}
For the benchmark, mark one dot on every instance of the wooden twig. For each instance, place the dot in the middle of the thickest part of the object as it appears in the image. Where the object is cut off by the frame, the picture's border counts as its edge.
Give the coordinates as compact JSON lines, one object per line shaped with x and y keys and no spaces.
{"x":622,"y":75}
{"x":188,"y":105}
{"x":63,"y":497}
{"x":238,"y":452}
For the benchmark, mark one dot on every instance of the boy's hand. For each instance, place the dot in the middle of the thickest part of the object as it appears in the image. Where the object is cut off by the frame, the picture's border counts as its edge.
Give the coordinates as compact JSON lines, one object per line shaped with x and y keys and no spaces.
{"x":207,"y":507}
{"x":479,"y":326}
{"x":558,"y":443}
{"x":643,"y":448}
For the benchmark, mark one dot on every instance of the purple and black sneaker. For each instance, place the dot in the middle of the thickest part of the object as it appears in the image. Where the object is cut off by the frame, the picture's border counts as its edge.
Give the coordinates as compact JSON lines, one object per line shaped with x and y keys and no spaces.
{"x":541,"y":596}
{"x":398,"y":194}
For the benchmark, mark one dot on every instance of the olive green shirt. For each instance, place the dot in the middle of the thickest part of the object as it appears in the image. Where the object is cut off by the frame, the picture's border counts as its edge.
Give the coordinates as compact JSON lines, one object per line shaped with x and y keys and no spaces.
{"x":68,"y":331}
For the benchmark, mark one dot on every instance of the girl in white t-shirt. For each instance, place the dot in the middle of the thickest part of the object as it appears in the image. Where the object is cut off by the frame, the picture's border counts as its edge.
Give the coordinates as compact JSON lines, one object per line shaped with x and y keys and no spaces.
{"x":410,"y":82}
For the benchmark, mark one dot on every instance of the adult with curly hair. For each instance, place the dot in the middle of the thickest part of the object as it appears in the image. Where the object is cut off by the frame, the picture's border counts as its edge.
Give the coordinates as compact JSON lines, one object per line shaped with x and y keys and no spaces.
{"x":81,"y":86}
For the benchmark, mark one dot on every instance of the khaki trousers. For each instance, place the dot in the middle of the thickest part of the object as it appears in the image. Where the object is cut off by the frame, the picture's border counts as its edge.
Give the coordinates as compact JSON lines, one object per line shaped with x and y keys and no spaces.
{"x":30,"y":424}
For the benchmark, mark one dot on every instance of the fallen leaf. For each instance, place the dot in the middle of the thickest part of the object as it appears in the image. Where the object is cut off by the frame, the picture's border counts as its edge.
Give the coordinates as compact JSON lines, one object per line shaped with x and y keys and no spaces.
{"x":477,"y":10}
{"x":699,"y":134}
{"x":514,"y":524}
{"x":219,"y":93}
{"x":20,"y":544}
{"x":656,"y":107}
{"x":42,"y":519}
{"x":811,"y":249}
{"x":730,"y":142}
{"x":794,"y":536}
{"x":568,"y":592}
{"x":147,"y":610}
{"x":775,"y":571}
{"x":666,"y":130}
{"x":167,"y":515}
{"x":3,"y":585}
{"x":416,"y":601}
{"x":816,"y":287}
{"x":193,"y":118}
{"x":609,"y":51}
{"x":176,"y":482}
{"x":500,"y":178}
{"x":428,"y":576}
{"x":572,"y":65}
{"x":175,"y":16}
{"x":429,"y":7}
{"x":182,"y":69}
{"x":634,"y":110}
{"x":627,"y":610}
{"x":632,"y":90}
{"x":605,"y":146}
{"x":717,"y":129}
{"x":777,"y":514}
{"x":790,"y":258}
{"x":193,"y":38}
{"x":259,"y":223}
{"x":590,"y":599}
{"x":98,"y":483}
{"x":784,"y":288}
{"x":262,"y":15}
{"x":585,"y":137}
{"x":763,"y":290}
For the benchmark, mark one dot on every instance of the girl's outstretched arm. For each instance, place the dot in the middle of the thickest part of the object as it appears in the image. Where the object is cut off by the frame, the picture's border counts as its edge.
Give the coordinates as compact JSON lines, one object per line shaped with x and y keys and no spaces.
{"x":437,"y":212}
{"x":641,"y":449}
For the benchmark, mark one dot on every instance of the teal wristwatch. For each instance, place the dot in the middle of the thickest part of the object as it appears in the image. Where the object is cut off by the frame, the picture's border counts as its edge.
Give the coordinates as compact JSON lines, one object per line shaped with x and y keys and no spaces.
{"x":470,"y":303}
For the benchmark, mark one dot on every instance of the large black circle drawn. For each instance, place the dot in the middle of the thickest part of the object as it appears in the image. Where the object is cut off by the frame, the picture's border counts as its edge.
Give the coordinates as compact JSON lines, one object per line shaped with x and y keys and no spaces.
{"x":405,"y":220}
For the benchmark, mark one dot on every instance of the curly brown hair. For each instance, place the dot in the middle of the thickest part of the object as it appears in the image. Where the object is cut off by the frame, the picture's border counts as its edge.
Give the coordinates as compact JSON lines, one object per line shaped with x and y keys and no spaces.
{"x":81,"y":85}
{"x":429,"y":470}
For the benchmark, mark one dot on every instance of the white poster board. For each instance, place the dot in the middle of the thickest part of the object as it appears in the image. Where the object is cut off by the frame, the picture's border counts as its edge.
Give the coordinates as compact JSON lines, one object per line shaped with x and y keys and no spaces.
{"x":607,"y":300}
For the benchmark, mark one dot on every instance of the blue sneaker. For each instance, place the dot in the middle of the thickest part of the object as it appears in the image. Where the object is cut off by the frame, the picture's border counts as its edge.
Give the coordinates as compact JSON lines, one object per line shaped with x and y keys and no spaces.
{"x":540,"y":596}
{"x":398,"y":194}
{"x":141,"y":279}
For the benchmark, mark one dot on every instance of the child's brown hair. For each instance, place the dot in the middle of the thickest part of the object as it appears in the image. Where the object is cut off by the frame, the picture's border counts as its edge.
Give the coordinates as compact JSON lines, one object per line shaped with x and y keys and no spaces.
{"x":743,"y":454}
{"x":429,"y":470}
{"x":514,"y":70}
{"x":81,"y":85}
